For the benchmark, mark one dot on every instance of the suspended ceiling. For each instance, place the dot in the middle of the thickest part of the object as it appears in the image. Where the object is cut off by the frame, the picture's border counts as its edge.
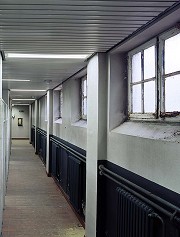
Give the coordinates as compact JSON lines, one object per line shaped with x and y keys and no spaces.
{"x":64,"y":27}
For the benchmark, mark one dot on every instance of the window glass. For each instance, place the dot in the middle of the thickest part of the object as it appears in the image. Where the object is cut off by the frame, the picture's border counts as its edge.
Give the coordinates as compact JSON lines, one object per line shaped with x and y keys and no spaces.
{"x":172,"y":54}
{"x":60,"y":103}
{"x":149,"y":62}
{"x":136,"y":67}
{"x":172,"y":93}
{"x":136,"y":99}
{"x":84,"y":98}
{"x":149,"y":97}
{"x":85,"y":106}
{"x":85,"y":87}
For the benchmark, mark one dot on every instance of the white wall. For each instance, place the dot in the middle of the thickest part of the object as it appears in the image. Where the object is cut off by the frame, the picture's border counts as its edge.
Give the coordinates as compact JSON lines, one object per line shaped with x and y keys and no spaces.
{"x":71,"y":129}
{"x":42,"y":122}
{"x":33,"y":114}
{"x":150,"y":150}
{"x":20,"y":112}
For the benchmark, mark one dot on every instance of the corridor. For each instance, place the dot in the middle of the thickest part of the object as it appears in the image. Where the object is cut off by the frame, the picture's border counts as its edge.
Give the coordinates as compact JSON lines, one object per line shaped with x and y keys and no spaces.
{"x":34,"y":205}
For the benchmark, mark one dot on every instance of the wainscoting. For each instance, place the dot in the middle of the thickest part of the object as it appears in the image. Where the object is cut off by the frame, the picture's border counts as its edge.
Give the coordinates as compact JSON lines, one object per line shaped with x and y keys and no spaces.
{"x":33,"y":136}
{"x":41,"y":139}
{"x":67,"y":167}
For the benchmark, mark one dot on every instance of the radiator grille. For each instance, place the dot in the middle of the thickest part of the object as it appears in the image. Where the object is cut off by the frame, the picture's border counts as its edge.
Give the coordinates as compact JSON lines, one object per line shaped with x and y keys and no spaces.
{"x":133,"y":219}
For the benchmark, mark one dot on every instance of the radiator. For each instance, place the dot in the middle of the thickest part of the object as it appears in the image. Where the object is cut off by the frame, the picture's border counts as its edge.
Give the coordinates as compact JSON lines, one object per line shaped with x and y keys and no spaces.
{"x":133,"y":216}
{"x":75,"y":182}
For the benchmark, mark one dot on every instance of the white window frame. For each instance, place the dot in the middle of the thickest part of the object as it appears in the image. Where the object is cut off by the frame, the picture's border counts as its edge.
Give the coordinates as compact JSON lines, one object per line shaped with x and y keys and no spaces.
{"x":141,"y":48}
{"x":60,"y":102}
{"x":159,"y":81}
{"x":168,"y":116}
{"x":83,"y":97}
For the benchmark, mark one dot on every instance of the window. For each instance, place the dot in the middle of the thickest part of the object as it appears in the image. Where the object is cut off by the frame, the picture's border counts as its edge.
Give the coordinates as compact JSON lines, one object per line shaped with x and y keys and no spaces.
{"x":84,"y":98}
{"x":57,"y":103}
{"x":154,"y":78}
{"x":170,"y":94}
{"x":45,"y":108}
{"x":60,"y":94}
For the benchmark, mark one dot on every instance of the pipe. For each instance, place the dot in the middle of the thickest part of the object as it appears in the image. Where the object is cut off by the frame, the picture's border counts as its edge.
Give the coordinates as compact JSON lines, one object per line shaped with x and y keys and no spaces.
{"x":138,"y":188}
{"x":70,"y":150}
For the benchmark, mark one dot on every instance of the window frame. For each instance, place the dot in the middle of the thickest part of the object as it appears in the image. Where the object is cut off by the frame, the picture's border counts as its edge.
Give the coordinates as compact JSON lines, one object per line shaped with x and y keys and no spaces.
{"x":168,"y":116}
{"x":141,"y":48}
{"x":60,"y":100}
{"x":160,"y":114}
{"x":83,"y":116}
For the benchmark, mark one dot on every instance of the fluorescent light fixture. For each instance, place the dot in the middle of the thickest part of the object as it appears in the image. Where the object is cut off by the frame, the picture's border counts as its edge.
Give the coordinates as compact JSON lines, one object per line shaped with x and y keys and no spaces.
{"x":24,"y":90}
{"x":19,"y":104}
{"x":24,"y":99}
{"x":47,"y":56}
{"x":15,"y":80}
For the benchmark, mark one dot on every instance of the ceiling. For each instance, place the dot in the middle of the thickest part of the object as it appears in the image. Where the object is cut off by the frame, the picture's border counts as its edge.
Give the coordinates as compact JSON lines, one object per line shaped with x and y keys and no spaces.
{"x":64,"y":27}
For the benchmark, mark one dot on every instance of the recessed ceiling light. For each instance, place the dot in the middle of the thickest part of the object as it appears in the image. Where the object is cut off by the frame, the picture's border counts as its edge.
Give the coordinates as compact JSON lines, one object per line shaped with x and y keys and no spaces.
{"x":15,"y":80}
{"x":24,"y":90}
{"x":47,"y":56}
{"x":24,"y":99}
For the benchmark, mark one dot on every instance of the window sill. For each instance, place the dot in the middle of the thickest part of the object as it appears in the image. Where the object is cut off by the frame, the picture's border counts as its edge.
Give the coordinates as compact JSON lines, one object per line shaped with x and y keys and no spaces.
{"x":150,"y":118}
{"x":59,"y":121}
{"x":80,"y":123}
{"x":151,"y":130}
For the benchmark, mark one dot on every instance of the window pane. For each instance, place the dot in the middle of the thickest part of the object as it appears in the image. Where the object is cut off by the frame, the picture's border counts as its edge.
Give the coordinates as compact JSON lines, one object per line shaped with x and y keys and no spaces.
{"x":149,"y":62}
{"x":149,"y":97}
{"x":136,"y":67}
{"x":85,"y":87}
{"x":85,"y":107}
{"x":60,"y":103}
{"x":172,"y":54}
{"x":136,"y":98}
{"x":172,"y":94}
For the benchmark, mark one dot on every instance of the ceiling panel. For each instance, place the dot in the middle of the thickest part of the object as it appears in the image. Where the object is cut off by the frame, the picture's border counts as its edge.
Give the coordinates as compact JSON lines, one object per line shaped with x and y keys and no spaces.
{"x":59,"y":26}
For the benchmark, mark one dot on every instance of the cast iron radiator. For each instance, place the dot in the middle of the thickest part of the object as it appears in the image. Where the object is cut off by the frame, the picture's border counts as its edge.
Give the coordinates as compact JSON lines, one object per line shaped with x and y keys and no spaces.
{"x":75,"y":182}
{"x":133,"y":216}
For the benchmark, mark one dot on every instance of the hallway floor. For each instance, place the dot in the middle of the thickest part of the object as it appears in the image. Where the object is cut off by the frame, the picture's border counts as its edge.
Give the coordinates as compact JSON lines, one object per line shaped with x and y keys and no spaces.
{"x":34,"y":206}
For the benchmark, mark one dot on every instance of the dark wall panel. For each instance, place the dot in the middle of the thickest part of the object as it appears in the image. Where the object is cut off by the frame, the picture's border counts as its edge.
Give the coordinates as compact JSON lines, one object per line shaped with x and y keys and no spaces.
{"x":74,"y":173}
{"x":53,"y":159}
{"x":69,"y":171}
{"x":33,"y":136}
{"x":67,"y":165}
{"x":64,"y":171}
{"x":108,"y":202}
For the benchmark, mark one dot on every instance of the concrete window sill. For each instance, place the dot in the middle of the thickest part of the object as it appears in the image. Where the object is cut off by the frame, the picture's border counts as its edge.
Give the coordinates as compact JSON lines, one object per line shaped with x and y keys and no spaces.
{"x":156,"y":131}
{"x":81,"y":123}
{"x":59,"y":121}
